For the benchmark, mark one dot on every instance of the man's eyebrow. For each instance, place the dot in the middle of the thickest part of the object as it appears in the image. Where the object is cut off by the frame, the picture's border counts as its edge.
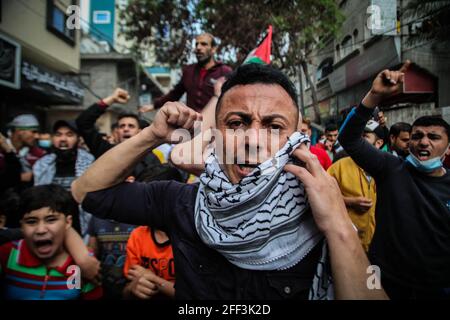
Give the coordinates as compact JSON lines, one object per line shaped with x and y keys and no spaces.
{"x":274,"y":116}
{"x":428,"y":133}
{"x":238,"y":113}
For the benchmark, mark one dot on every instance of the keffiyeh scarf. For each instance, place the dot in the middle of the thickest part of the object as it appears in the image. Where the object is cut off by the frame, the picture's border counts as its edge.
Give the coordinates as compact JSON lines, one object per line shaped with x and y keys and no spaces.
{"x":264,"y":221}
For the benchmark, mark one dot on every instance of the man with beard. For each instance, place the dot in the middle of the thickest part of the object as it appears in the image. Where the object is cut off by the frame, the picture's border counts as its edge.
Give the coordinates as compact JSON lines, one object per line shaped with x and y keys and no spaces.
{"x":399,"y":136}
{"x":198,"y":79}
{"x":128,"y":126}
{"x":22,"y":139}
{"x":64,"y":164}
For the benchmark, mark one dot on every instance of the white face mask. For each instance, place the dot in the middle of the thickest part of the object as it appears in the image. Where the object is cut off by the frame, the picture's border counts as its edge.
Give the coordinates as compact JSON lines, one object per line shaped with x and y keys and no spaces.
{"x":429,"y":165}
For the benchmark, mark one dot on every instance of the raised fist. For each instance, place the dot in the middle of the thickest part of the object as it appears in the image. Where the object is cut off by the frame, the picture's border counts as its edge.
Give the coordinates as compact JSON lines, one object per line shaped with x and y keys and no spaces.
{"x":172,"y":116}
{"x":119,"y":96}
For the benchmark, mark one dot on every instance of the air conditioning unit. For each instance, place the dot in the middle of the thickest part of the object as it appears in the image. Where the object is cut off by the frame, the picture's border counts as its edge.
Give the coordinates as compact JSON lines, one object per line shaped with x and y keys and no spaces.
{"x":415,"y":27}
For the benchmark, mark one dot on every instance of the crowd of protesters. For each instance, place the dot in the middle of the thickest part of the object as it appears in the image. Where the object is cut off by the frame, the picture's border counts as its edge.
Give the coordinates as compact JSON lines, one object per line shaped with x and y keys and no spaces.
{"x":132,"y":216}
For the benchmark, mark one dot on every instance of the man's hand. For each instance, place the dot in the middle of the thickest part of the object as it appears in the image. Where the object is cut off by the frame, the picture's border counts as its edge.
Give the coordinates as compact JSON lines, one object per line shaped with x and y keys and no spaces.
{"x":4,"y":146}
{"x":324,"y":195}
{"x":143,"y":282}
{"x":146,"y":108}
{"x":26,"y":176}
{"x":349,"y":263}
{"x":359,"y":204}
{"x":119,"y":96}
{"x":387,"y":84}
{"x":172,"y":116}
{"x":218,"y":86}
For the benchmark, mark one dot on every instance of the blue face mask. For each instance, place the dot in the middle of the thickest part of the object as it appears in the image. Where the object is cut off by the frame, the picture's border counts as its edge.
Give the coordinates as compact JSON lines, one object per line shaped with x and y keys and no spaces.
{"x":45,"y":144}
{"x":426,"y":166}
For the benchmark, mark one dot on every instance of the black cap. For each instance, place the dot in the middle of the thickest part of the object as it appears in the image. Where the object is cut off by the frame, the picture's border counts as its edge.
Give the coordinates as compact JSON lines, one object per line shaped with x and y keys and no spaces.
{"x":374,"y":126}
{"x":71,"y":124}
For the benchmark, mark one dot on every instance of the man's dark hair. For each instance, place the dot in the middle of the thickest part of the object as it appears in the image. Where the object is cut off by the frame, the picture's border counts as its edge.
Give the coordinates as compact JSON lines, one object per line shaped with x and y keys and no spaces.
{"x":254,"y":73}
{"x":53,"y":196}
{"x":159,"y":172}
{"x":428,"y":121}
{"x":307,"y":121}
{"x":127,"y":115}
{"x":115,"y":125}
{"x":399,"y":127}
{"x":331,"y":127}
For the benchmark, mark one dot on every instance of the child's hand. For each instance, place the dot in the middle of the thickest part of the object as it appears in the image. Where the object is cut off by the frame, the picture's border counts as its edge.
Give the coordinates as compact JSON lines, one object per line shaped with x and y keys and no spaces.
{"x":135,"y":271}
{"x":144,"y":283}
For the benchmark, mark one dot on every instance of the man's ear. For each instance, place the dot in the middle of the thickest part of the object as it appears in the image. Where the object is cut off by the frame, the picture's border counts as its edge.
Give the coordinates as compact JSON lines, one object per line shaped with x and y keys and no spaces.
{"x":69,"y":221}
{"x":379,"y":143}
{"x":391,"y":138}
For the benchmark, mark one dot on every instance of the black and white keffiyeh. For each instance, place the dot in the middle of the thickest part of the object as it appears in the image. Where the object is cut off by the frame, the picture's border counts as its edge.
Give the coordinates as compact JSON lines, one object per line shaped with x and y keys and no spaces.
{"x":264,"y":221}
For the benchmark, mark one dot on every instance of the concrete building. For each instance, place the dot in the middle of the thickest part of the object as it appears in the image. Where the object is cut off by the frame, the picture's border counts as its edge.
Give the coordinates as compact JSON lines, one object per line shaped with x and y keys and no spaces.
{"x":373,"y":38}
{"x":39,"y":57}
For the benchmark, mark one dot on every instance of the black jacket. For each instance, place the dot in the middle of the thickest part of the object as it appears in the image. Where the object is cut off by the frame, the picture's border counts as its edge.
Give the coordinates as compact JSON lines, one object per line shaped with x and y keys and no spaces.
{"x":10,"y":169}
{"x":201,"y":272}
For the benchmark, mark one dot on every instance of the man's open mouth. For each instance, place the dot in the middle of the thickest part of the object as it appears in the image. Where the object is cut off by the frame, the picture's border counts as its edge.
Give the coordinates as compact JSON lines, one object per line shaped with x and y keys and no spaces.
{"x":423,"y":154}
{"x":63,"y":146}
{"x":246,"y":168}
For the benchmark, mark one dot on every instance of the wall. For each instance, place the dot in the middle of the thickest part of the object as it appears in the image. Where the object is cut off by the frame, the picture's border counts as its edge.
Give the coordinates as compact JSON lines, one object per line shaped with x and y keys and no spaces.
{"x":26,"y":23}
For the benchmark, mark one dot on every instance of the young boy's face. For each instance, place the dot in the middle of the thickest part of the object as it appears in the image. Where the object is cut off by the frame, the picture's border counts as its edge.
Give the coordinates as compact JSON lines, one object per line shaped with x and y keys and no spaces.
{"x":44,"y":232}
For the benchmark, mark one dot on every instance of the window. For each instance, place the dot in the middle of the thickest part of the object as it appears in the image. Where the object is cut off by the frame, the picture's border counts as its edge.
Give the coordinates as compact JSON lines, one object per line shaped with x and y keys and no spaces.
{"x":58,"y":20}
{"x":102,"y":17}
{"x":56,"y":23}
{"x":324,"y":69}
{"x":355,"y":35}
{"x":346,"y":46}
{"x":338,"y":52}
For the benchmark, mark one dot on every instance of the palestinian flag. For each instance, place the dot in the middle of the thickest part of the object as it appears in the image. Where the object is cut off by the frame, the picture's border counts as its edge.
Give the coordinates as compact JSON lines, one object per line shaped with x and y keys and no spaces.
{"x":261,"y":54}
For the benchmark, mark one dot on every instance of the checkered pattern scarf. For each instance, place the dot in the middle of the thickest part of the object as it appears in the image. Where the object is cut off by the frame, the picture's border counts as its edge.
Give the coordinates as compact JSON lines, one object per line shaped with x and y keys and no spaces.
{"x":263,"y":222}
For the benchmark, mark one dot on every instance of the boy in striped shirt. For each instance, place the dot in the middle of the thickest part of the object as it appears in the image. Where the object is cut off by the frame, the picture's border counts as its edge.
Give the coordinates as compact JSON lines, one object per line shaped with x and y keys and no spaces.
{"x":38,"y":267}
